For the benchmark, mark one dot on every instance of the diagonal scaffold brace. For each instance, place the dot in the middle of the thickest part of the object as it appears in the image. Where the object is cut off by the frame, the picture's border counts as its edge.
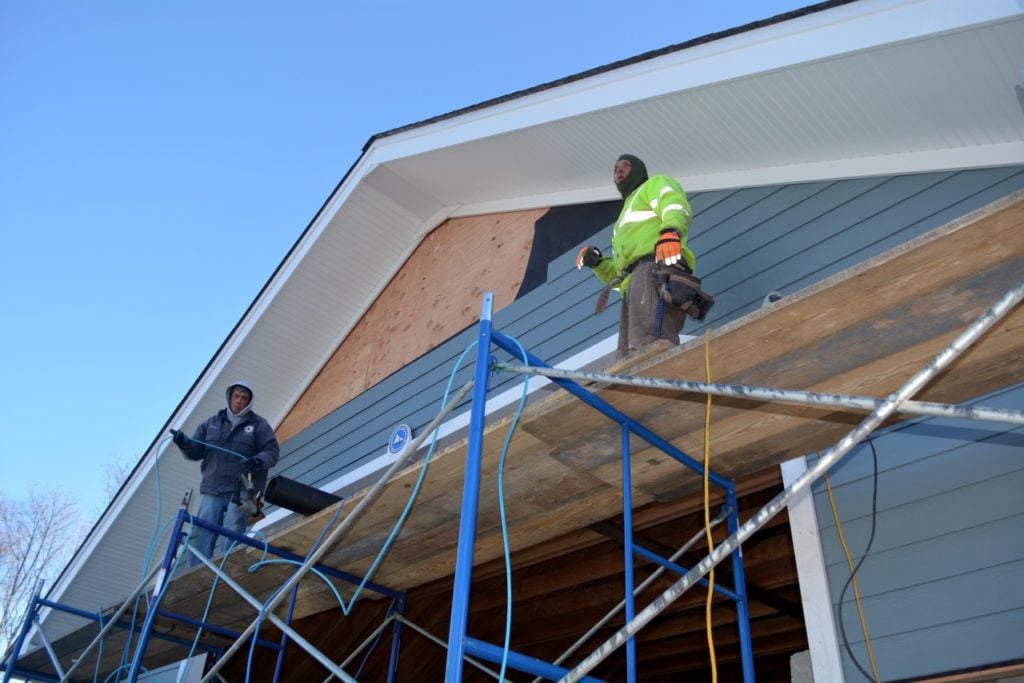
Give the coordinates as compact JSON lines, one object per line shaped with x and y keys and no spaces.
{"x":939,"y":363}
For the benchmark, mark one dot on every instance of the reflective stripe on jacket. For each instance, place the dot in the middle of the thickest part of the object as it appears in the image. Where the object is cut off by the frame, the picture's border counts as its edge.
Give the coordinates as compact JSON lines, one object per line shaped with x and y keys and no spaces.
{"x":658,"y":204}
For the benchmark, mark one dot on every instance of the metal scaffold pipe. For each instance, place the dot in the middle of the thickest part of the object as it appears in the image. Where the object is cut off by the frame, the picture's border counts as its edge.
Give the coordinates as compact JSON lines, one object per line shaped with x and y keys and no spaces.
{"x":311,"y":649}
{"x":829,"y":458}
{"x":469,"y":660}
{"x":341,"y":529}
{"x":812,"y":398}
{"x":111,"y":623}
{"x":600,"y":624}
{"x":369,"y":640}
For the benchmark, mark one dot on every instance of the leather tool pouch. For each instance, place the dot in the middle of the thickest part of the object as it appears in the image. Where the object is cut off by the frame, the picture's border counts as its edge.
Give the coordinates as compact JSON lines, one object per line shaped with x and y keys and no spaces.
{"x":681,"y":289}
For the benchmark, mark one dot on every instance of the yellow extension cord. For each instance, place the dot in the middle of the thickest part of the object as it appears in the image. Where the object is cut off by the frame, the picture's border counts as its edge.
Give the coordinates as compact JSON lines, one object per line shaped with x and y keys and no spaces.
{"x":856,"y":589}
{"x":707,"y":507}
{"x":711,"y":546}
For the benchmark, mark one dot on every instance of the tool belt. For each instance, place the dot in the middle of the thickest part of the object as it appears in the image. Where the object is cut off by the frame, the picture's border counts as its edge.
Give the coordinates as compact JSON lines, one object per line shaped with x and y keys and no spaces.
{"x":676,"y":285}
{"x":602,"y":298}
{"x":679,"y":287}
{"x":636,"y":262}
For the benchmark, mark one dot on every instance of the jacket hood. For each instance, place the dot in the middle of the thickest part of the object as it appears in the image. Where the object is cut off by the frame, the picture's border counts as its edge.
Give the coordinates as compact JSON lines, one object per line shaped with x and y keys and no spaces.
{"x":242,"y":385}
{"x":637,"y":175}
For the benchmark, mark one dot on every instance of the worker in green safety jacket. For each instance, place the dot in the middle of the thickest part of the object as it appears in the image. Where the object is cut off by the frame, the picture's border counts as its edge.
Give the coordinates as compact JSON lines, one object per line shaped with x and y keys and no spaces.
{"x":650,"y":265}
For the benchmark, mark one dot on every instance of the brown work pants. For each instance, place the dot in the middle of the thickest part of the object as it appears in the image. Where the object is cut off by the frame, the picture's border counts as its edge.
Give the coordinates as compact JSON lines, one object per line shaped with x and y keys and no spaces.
{"x":639,"y":313}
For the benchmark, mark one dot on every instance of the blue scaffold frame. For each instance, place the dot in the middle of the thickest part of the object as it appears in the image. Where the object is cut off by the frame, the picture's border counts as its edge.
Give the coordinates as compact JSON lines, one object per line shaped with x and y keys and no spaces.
{"x":145,"y":630}
{"x":459,"y":644}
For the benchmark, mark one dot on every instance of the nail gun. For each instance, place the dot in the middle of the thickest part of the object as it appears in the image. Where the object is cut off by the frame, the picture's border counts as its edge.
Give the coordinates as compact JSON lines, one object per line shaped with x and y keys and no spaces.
{"x":249,"y":498}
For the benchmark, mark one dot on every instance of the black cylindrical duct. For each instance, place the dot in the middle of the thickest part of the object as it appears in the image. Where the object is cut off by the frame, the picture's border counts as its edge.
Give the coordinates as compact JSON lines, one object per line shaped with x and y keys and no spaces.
{"x":297,"y":497}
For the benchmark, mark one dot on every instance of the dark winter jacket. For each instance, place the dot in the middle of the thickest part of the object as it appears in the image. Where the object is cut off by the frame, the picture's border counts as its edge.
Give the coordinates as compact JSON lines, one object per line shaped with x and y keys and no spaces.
{"x":252,"y":437}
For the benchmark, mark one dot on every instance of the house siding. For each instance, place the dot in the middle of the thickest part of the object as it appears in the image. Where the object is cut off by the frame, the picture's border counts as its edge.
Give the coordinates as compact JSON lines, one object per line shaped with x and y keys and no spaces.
{"x":941,"y":585}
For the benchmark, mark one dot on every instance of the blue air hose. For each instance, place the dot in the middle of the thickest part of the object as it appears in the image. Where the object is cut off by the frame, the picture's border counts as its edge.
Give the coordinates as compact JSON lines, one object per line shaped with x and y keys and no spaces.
{"x":501,"y":510}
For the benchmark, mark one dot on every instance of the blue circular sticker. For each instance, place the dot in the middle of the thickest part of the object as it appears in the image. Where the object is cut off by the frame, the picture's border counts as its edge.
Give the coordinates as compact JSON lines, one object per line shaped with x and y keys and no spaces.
{"x":399,"y":437}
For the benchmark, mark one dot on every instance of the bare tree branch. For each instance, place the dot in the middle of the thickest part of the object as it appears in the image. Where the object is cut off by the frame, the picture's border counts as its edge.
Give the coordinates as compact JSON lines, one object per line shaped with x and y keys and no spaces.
{"x":38,"y":534}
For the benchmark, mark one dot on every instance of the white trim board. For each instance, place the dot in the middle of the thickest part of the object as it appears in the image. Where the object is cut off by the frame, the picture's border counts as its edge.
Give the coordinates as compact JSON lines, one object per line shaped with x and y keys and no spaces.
{"x":826,"y":664}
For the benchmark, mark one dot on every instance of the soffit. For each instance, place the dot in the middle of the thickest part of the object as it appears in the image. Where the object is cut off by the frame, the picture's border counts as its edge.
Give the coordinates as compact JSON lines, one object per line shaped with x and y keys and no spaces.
{"x":950,"y":100}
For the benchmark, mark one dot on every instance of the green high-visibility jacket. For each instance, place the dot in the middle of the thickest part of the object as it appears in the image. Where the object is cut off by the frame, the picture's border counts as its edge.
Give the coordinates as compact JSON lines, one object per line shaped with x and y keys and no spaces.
{"x":658,"y":204}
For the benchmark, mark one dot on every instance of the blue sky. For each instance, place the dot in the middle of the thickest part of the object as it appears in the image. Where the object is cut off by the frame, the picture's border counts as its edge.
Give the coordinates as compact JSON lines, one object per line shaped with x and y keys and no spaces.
{"x":158,"y":159}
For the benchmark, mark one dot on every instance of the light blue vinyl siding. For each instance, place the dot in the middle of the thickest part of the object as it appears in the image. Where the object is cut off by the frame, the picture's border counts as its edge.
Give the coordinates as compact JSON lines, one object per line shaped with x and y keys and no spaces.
{"x":754,"y":241}
{"x":942,"y":587}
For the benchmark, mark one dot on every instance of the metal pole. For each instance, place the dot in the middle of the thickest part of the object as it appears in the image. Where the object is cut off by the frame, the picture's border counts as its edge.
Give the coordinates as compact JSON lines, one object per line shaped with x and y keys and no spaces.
{"x":470,"y":502}
{"x":279,"y":665}
{"x":616,"y":415}
{"x":627,"y":562}
{"x":657,"y":559}
{"x":518,"y":661}
{"x":49,"y":648}
{"x":829,"y":458}
{"x":812,"y":398}
{"x":207,"y":626}
{"x":273,"y":618}
{"x":263,"y":547}
{"x":342,"y":528}
{"x":111,"y":623}
{"x":434,"y":639}
{"x":396,"y":642}
{"x":367,"y":641}
{"x":26,"y":624}
{"x":639,"y":589}
{"x":163,"y":578}
{"x":739,"y":586}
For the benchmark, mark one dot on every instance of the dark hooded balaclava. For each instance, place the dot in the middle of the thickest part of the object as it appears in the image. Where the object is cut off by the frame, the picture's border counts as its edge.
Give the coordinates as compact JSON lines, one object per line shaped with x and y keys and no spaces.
{"x":227,"y":397}
{"x":637,"y":175}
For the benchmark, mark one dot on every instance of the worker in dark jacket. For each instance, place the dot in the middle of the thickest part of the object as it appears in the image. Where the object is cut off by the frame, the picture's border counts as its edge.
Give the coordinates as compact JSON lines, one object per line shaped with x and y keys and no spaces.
{"x":236,"y":447}
{"x":650,"y":263}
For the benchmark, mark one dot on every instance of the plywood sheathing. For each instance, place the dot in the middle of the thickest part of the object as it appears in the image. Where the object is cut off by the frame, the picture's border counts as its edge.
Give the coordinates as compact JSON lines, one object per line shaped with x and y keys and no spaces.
{"x":436,"y":294}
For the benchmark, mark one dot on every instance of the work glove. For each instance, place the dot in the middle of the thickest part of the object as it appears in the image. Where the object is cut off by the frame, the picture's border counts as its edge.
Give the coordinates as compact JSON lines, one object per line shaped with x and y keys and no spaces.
{"x":181,"y":439}
{"x":251,"y":464}
{"x":589,"y":256}
{"x":669,"y":248}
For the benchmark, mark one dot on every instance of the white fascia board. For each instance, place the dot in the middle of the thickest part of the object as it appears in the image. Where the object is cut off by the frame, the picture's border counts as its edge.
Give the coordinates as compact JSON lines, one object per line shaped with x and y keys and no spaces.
{"x":821,"y":35}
